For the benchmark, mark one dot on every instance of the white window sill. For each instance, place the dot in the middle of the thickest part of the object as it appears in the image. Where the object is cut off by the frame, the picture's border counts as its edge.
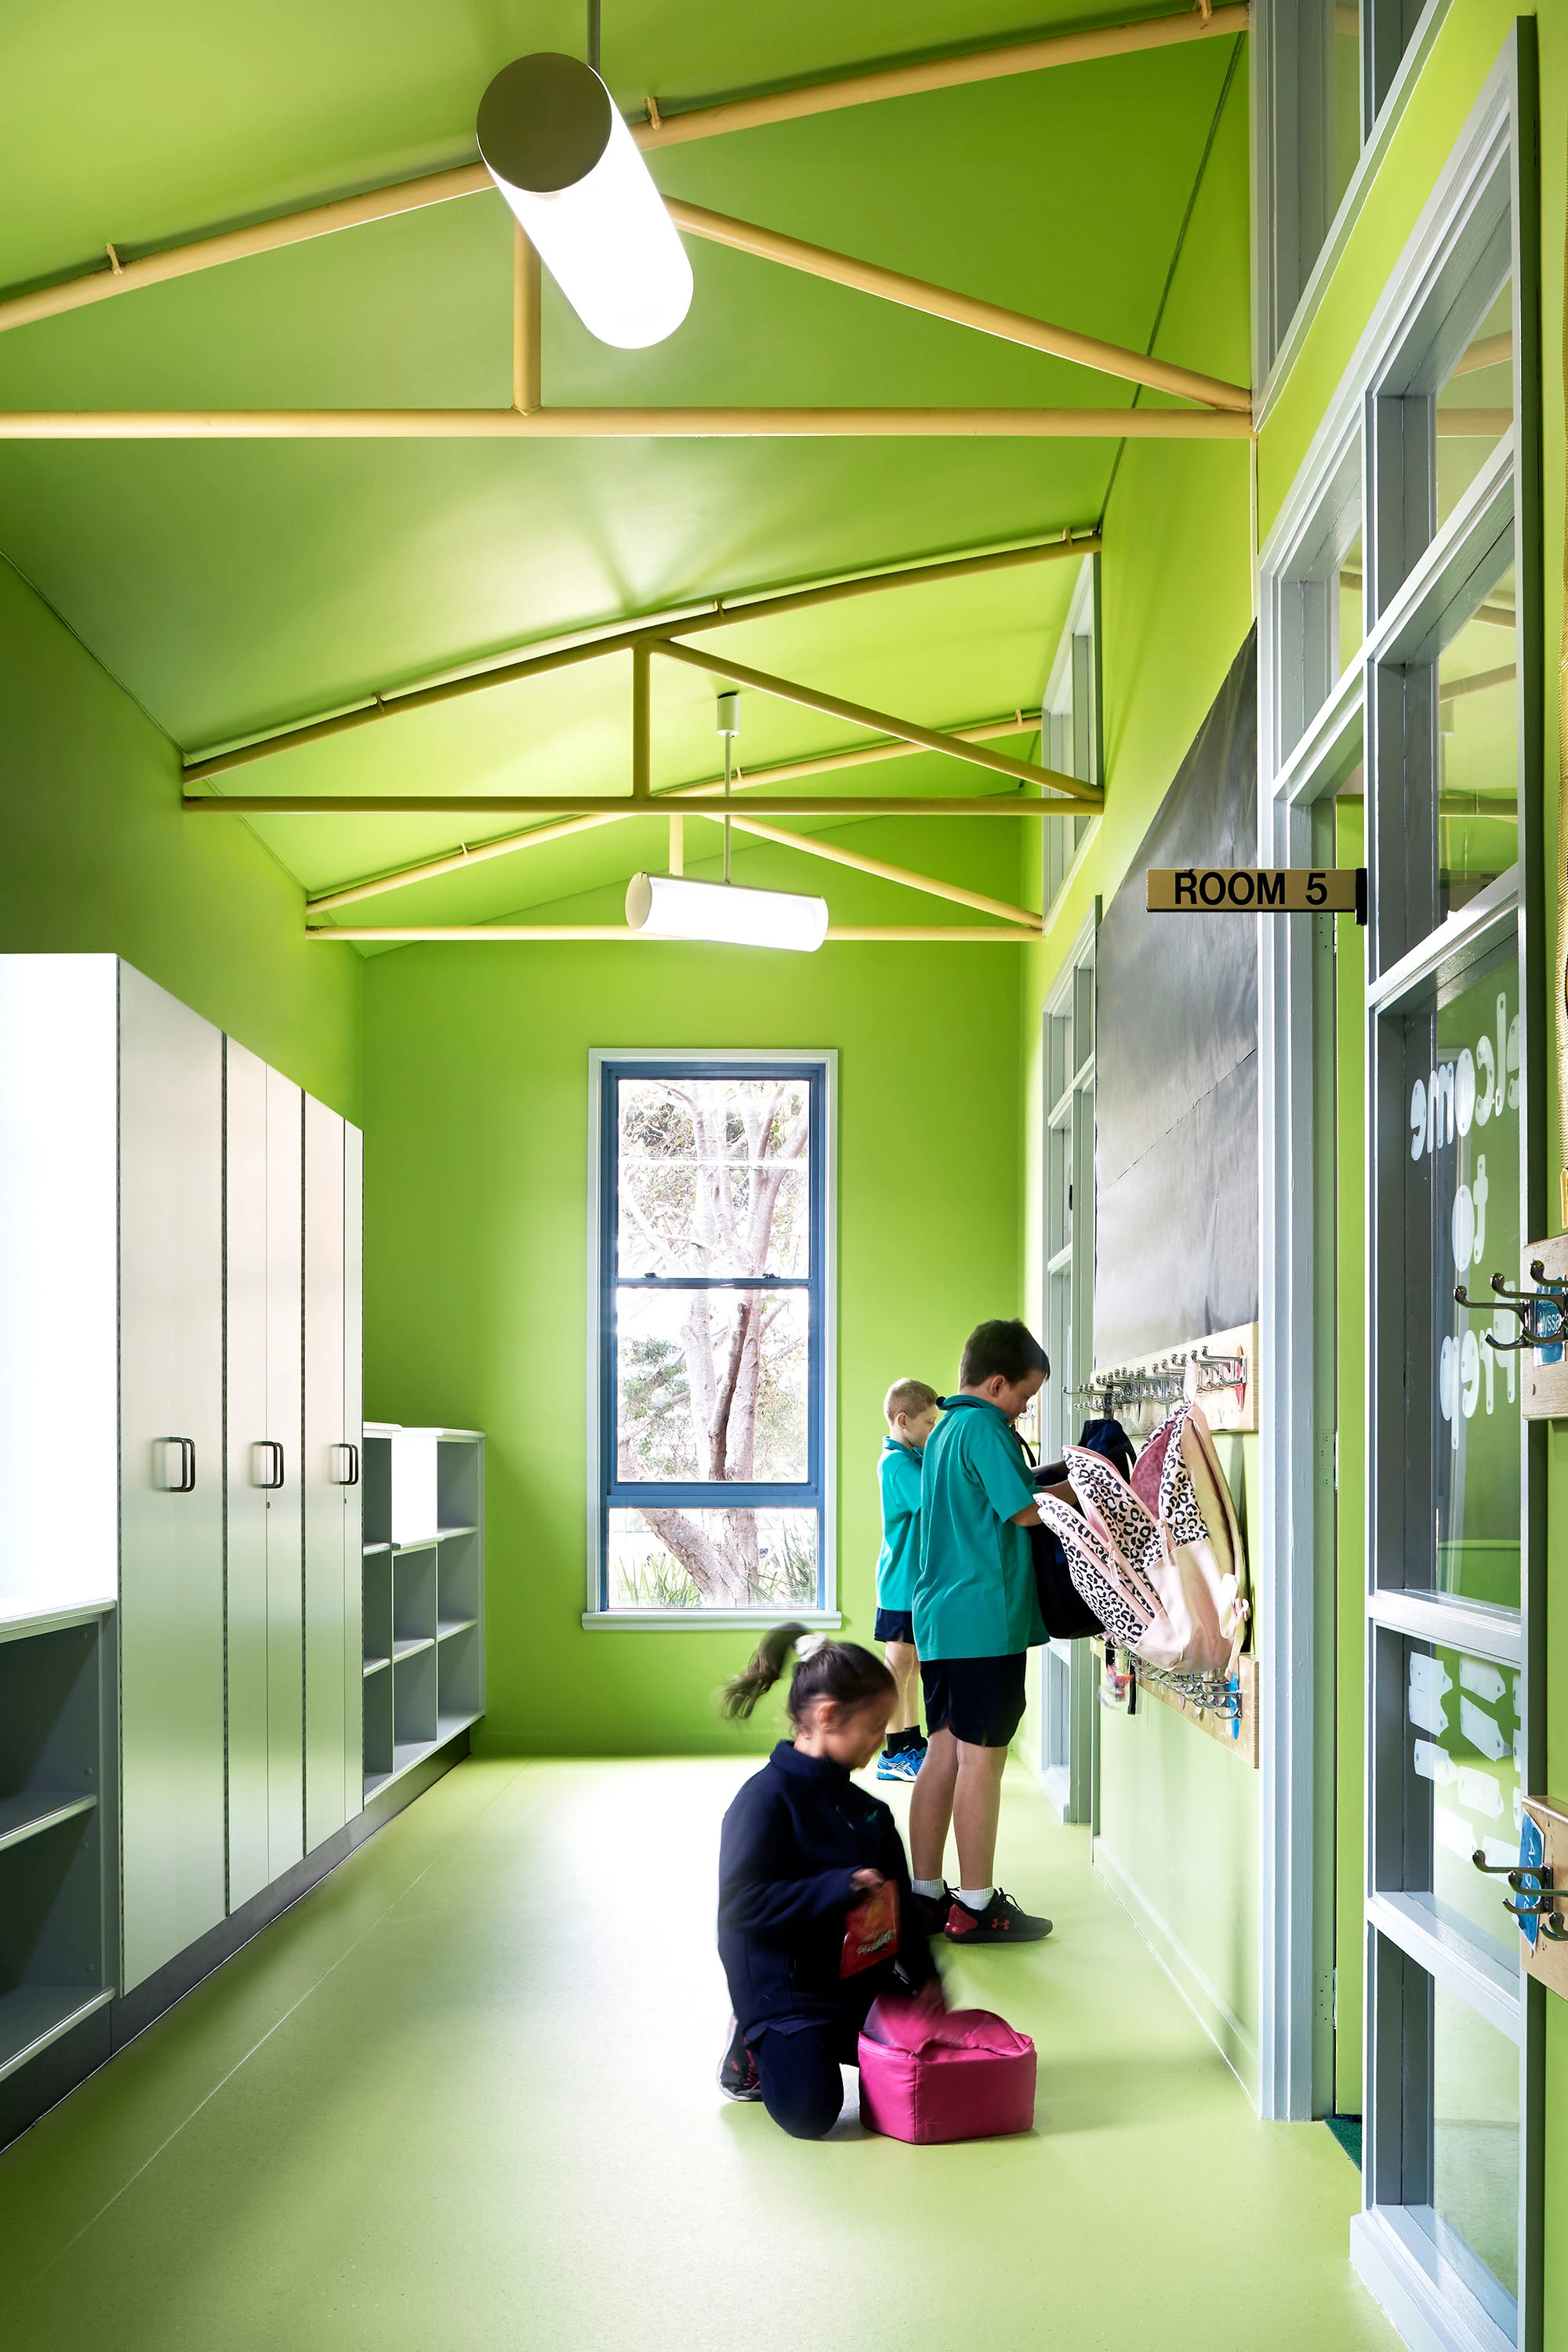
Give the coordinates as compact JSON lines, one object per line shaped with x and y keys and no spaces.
{"x":706,"y":1621}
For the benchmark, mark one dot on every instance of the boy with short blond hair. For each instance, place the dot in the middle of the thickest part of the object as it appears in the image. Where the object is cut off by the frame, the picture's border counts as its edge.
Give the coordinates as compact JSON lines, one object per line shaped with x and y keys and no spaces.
{"x":911,"y":1410}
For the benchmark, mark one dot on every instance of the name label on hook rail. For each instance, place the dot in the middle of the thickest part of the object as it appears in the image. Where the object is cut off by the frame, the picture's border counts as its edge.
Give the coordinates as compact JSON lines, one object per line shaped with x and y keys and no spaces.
{"x":1258,"y":890}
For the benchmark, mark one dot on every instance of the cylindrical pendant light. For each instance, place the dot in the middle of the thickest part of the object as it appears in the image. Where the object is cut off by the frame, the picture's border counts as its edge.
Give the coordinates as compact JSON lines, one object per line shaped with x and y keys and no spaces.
{"x":556,"y":146}
{"x":669,"y":907}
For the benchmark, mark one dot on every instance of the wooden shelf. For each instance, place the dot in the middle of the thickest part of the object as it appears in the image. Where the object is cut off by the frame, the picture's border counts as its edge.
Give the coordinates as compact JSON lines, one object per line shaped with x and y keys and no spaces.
{"x":39,"y":1809}
{"x":449,"y":1625}
{"x":401,"y":1650}
{"x":443,"y":1533}
{"x":374,"y":1666}
{"x":35,"y":2015}
{"x":420,"y":1543}
{"x":369,"y":1548}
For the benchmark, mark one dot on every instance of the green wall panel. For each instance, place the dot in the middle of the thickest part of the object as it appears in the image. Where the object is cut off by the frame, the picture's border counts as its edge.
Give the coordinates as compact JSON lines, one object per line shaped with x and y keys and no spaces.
{"x":477,"y":1153}
{"x":99,"y":856}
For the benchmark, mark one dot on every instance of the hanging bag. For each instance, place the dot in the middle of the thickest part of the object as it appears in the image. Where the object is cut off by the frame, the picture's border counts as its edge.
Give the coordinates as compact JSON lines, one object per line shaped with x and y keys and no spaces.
{"x":1159,"y":1559}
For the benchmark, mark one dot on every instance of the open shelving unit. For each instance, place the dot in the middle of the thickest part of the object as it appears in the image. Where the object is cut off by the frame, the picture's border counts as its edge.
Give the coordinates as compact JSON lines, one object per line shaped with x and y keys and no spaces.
{"x":58,"y":1928}
{"x":424,"y":1594}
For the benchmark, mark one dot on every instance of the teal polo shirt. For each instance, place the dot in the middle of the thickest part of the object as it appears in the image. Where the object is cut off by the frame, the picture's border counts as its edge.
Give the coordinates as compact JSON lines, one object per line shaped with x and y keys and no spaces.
{"x":900,"y":1473}
{"x":974,"y":1593}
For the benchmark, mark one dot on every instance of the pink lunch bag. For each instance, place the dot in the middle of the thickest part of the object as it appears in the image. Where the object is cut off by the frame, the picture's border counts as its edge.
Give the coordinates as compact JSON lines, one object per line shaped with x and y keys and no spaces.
{"x":930,"y":2075}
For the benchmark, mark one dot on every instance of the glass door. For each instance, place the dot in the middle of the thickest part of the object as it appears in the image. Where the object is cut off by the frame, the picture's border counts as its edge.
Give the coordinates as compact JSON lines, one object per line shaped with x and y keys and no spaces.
{"x":1454,"y":1198}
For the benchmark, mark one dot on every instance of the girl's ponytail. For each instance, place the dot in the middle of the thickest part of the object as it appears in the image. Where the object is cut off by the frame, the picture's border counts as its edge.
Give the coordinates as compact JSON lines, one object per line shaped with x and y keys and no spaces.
{"x":842,"y":1671}
{"x":762,"y":1671}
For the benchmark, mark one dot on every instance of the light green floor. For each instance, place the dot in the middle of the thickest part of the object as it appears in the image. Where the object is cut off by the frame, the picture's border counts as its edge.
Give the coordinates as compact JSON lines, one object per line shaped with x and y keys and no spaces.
{"x":462,"y":2097}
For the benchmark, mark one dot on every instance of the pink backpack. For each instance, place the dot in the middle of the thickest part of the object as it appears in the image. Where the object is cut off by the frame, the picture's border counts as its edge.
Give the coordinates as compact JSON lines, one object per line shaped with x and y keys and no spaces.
{"x":1159,"y":1562}
{"x":930,"y":2075}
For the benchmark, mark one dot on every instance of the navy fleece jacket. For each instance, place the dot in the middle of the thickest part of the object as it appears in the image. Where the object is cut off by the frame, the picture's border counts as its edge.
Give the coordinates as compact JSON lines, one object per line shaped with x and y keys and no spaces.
{"x":792,"y":1843}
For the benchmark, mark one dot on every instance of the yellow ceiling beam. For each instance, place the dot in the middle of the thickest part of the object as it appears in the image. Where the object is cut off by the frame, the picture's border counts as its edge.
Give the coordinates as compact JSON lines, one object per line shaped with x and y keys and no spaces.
{"x":881,"y":722}
{"x":960,"y":310}
{"x":811,"y":845}
{"x":554,"y":804}
{"x":747,"y":605}
{"x":431,"y":869}
{"x":117,"y":278}
{"x":623,"y":423}
{"x":552,"y":934}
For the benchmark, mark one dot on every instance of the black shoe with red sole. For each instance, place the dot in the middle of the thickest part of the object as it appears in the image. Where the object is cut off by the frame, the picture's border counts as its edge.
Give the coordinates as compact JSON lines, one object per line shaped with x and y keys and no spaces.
{"x":1001,"y":1922}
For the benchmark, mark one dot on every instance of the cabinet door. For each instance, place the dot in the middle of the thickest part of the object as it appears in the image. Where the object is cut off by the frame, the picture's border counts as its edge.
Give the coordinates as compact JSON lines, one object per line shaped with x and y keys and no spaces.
{"x":262,"y":1372}
{"x":244,"y":1384}
{"x":326,"y":1469}
{"x":354,"y":1430}
{"x":171,"y":1474}
{"x":285,"y":1507}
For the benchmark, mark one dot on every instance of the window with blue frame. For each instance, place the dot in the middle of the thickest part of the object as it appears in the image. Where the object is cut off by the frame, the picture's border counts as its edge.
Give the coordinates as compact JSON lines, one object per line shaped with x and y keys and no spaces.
{"x":712,"y":1278}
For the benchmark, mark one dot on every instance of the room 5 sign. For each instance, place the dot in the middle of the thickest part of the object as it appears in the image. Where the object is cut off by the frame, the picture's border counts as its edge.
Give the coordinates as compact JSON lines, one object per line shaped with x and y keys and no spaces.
{"x":1258,"y":890}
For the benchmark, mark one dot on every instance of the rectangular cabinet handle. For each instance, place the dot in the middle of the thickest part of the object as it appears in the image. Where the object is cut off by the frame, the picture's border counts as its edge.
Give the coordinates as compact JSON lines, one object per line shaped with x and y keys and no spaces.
{"x":345,"y":1465}
{"x":266,"y":1472}
{"x":172,"y":1480}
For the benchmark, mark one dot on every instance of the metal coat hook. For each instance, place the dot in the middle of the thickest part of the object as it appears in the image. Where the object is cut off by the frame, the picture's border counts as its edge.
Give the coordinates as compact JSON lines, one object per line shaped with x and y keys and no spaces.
{"x":1528,"y":1305}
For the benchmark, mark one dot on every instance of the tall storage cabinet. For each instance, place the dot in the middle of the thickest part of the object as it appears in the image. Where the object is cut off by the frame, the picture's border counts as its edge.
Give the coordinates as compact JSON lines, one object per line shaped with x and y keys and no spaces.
{"x":264,"y":1407}
{"x":179,"y":1462}
{"x":171,"y":1475}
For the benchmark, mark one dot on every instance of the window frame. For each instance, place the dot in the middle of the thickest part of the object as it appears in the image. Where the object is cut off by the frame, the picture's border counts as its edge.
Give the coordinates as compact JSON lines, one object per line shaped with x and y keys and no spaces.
{"x":1425,"y":568}
{"x":819,"y":1067}
{"x":1071,"y":729}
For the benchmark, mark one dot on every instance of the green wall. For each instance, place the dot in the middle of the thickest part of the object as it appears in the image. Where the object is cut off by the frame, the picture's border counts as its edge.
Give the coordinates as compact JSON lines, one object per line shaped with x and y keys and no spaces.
{"x":99,"y":856}
{"x":1178,"y":1816}
{"x":477,"y":1150}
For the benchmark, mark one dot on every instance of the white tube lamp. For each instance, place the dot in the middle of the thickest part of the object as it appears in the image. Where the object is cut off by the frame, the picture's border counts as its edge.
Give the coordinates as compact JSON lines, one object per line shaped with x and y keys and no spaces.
{"x":555,"y":144}
{"x":669,"y":907}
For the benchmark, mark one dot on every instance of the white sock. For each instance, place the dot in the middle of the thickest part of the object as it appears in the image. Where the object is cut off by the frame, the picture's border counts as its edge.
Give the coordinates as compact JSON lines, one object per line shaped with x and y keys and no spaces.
{"x":976,"y":1898}
{"x":930,"y":1887}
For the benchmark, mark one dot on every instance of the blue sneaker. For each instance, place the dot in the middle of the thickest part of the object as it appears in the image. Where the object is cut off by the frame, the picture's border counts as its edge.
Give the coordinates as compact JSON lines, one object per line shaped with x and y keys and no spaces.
{"x":902,"y":1764}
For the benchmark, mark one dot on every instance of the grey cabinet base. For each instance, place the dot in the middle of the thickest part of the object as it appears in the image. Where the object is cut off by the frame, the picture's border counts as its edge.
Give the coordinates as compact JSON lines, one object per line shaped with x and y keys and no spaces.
{"x":42,"y":2084}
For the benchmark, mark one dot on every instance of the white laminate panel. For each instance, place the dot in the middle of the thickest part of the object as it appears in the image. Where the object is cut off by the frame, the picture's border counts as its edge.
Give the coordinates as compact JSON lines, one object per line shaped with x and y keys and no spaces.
{"x":244,"y":1376}
{"x":327,"y":1614}
{"x":285,"y":1514}
{"x":171,"y":1354}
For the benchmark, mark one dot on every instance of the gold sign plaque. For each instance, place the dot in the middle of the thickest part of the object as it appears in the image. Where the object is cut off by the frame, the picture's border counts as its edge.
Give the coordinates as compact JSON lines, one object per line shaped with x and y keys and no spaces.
{"x":1258,"y":890}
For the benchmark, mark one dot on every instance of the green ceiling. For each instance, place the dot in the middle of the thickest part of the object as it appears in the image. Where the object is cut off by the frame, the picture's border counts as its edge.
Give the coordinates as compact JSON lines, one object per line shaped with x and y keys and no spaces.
{"x":235,"y":587}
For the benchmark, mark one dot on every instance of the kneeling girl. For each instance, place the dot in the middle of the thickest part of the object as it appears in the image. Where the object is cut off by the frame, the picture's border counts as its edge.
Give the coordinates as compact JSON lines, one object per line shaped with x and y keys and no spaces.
{"x":815,"y":1916}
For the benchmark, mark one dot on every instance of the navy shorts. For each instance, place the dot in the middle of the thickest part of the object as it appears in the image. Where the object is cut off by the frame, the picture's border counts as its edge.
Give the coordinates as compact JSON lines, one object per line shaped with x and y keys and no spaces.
{"x":893,"y":1625}
{"x":979,"y":1700}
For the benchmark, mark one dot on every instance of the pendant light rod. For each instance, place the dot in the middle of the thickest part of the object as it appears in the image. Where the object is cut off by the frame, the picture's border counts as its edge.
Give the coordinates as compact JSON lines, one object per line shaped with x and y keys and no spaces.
{"x":594,"y":41}
{"x":961,"y":309}
{"x":527,"y":288}
{"x":746,"y":605}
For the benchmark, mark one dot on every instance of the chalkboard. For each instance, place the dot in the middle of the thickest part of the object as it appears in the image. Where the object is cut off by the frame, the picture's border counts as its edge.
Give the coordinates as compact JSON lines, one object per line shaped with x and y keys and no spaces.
{"x":1175,"y":1094}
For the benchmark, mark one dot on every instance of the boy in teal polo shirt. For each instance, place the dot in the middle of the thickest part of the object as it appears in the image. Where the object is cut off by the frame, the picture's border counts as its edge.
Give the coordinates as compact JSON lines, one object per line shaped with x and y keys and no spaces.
{"x":976,"y":1617}
{"x":910,"y":1411}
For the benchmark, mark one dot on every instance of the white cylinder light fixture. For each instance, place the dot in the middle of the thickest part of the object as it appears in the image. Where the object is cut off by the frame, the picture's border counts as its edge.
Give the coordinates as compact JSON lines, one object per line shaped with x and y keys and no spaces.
{"x":669,"y":907}
{"x":556,"y":146}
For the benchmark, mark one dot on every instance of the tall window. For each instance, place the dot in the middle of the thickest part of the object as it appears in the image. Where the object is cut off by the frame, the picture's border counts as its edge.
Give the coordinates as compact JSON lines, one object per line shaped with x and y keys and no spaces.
{"x":1070,"y":722}
{"x":712,"y":1306}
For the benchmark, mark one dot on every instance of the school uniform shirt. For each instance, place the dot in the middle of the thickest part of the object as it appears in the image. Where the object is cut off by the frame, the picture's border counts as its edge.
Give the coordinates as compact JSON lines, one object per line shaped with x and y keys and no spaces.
{"x":790,"y":1844}
{"x":974,"y":1593}
{"x":900,"y":1473}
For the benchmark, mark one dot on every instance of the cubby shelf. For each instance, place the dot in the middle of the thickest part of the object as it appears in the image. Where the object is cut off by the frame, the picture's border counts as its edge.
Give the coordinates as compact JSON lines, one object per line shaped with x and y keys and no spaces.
{"x":424,"y":1595}
{"x":39,"y":1809}
{"x":32,"y":2016}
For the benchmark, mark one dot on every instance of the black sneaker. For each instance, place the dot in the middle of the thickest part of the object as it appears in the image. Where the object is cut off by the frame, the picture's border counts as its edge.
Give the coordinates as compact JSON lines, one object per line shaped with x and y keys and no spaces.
{"x":1001,"y":1922}
{"x":738,"y":2076}
{"x":931,"y":1910}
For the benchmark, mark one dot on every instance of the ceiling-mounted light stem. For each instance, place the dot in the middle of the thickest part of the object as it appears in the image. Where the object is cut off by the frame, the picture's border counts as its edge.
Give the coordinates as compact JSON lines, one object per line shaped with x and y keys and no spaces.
{"x":729,"y":727}
{"x":594,"y":34}
{"x":559,"y":151}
